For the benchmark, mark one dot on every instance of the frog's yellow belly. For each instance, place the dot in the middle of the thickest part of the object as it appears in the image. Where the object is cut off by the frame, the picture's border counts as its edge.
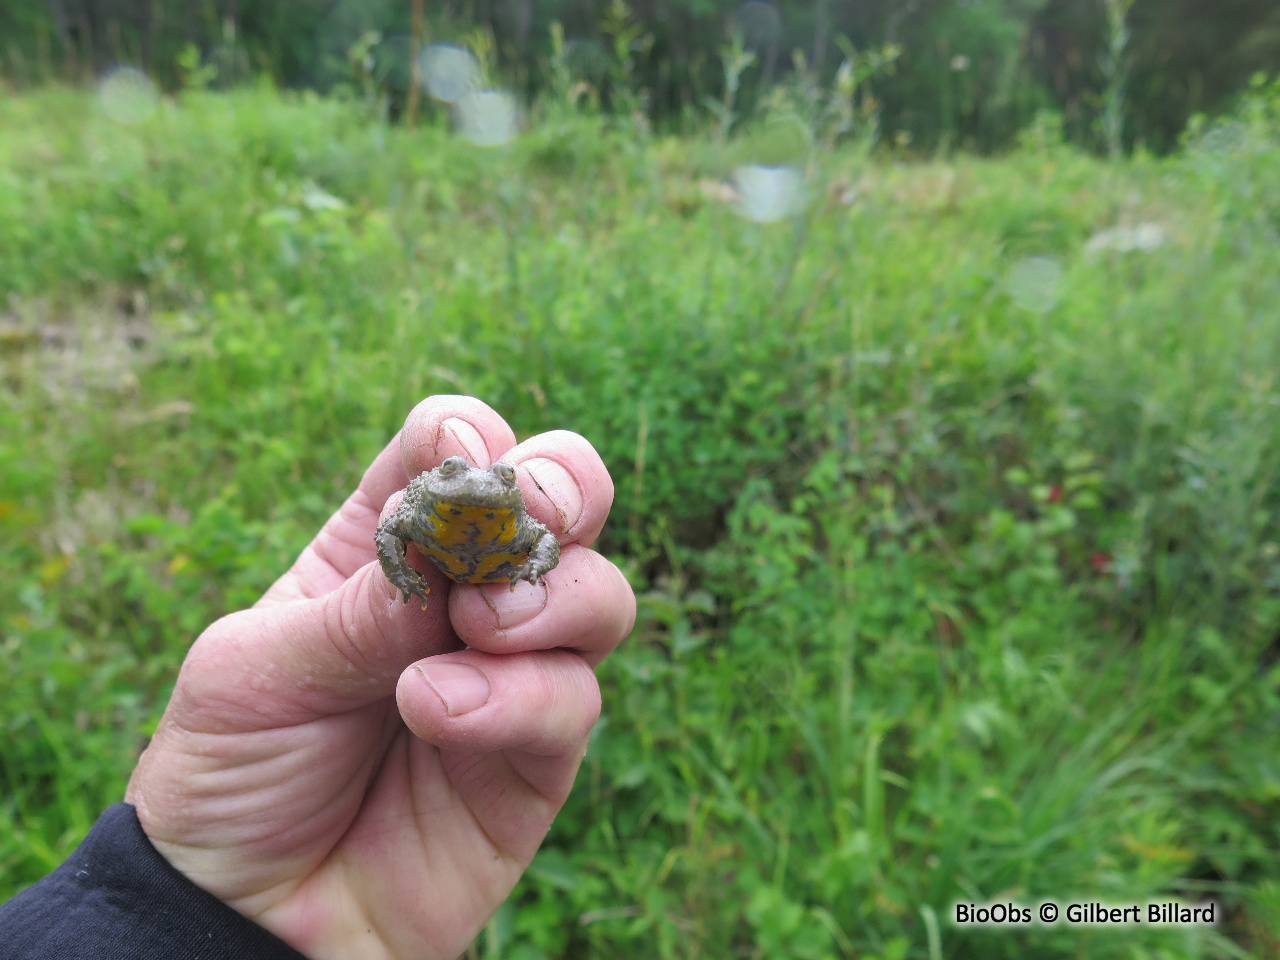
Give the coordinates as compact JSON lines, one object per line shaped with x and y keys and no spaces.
{"x":474,"y":544}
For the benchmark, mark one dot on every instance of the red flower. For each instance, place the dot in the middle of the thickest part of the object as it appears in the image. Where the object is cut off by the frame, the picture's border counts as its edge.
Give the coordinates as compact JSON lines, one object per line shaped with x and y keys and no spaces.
{"x":1100,"y":561}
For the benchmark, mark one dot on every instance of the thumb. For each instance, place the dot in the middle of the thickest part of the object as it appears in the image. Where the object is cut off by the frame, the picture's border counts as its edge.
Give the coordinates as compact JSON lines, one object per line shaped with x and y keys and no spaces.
{"x":294,"y":662}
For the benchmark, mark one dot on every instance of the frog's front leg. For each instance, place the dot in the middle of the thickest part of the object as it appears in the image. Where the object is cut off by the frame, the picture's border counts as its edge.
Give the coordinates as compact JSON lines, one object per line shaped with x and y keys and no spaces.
{"x":390,"y":540}
{"x":542,"y":558}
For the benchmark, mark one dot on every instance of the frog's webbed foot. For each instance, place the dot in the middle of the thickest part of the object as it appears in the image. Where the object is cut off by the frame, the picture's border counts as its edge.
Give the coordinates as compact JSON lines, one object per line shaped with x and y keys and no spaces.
{"x":542,"y":558}
{"x":394,"y":565}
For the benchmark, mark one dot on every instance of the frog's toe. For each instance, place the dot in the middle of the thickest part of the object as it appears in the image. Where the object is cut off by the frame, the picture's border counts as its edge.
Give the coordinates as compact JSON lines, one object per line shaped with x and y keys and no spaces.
{"x":527,"y":572}
{"x":408,"y":588}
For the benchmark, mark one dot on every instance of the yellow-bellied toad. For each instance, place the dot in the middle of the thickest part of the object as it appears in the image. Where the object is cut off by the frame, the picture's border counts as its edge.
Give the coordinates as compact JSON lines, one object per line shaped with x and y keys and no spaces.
{"x":471,"y":523}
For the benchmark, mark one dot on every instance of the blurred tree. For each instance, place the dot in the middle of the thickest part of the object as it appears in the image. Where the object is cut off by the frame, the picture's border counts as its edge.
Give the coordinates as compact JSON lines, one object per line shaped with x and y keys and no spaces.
{"x":972,"y":72}
{"x":1192,"y":57}
{"x":1187,"y":57}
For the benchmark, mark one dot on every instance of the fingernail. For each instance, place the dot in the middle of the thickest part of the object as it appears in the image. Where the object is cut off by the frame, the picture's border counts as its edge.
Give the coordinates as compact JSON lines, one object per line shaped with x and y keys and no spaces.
{"x":514,"y":607}
{"x":469,"y":439}
{"x":559,"y":487}
{"x":460,"y":687}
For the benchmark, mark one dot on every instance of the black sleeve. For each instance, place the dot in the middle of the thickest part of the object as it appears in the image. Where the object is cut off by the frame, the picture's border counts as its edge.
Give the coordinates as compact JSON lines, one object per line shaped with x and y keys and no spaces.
{"x":116,"y":898}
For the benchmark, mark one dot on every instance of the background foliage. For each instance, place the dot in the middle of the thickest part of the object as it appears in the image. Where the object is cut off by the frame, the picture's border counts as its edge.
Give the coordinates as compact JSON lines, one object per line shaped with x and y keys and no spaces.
{"x":971,"y":71}
{"x":952,"y":506}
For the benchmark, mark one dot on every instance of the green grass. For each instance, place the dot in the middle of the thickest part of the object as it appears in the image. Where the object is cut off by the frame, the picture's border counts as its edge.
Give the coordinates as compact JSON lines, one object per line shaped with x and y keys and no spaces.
{"x":943,"y":598}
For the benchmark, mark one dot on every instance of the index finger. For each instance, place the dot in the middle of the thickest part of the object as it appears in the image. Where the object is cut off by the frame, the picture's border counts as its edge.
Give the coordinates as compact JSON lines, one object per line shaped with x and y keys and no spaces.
{"x":437,"y":428}
{"x":564,"y":483}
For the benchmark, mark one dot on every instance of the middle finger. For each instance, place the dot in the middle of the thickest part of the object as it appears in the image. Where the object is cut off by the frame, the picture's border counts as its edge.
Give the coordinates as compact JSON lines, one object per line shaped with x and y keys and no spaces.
{"x":585,"y":604}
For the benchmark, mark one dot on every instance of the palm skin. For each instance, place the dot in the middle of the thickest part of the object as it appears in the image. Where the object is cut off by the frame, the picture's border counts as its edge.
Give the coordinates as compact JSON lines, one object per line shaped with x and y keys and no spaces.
{"x":309,"y":774}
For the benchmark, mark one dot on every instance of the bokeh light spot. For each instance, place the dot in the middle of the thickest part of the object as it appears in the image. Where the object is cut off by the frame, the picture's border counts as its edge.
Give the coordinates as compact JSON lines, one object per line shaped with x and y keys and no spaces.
{"x":759,"y":24}
{"x":488,"y":118}
{"x":768,"y":194}
{"x":391,"y":62}
{"x":1035,"y":283}
{"x":127,"y":95}
{"x":587,"y":60}
{"x":449,"y":73}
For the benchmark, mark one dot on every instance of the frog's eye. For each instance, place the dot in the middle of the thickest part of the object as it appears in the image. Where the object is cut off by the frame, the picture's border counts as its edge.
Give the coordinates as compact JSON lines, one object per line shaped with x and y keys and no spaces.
{"x":504,"y":472}
{"x":452,"y":466}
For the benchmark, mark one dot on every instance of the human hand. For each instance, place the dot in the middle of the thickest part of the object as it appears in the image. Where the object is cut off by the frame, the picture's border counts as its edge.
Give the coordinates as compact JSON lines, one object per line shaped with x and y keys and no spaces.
{"x":338,"y":767}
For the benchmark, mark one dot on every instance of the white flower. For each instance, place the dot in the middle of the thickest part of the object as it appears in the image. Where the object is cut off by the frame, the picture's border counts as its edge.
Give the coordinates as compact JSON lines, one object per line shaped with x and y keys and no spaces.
{"x":1143,"y":237}
{"x":317,"y":198}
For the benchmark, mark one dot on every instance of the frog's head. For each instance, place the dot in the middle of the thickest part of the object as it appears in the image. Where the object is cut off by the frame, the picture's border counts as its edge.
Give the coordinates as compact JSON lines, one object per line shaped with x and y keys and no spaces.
{"x":456,"y":481}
